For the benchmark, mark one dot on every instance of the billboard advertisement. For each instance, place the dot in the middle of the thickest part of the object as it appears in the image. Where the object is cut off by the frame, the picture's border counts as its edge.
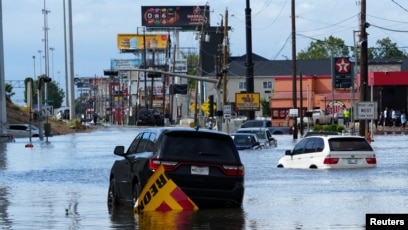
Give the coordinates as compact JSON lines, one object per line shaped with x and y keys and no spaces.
{"x":125,"y":64}
{"x":248,"y":101}
{"x":186,"y":17}
{"x":134,"y":42}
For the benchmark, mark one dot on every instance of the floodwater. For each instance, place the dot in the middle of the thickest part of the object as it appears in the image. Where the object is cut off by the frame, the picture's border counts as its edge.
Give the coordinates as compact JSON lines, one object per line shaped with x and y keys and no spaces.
{"x":63,"y":183}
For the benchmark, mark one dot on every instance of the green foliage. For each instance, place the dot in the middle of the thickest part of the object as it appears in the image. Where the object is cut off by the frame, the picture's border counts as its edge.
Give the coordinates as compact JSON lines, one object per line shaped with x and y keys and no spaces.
{"x":55,"y":94}
{"x":9,"y":92}
{"x":266,"y":112}
{"x":330,"y":127}
{"x":320,"y":50}
{"x":386,"y":49}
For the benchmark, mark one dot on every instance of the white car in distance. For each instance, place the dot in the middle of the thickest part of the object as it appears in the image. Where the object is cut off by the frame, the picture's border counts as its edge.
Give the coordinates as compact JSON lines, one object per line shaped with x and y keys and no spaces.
{"x":330,"y":152}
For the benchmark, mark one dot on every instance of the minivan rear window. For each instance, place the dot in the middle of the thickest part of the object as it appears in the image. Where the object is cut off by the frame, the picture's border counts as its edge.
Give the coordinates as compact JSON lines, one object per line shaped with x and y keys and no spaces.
{"x":349,"y":144}
{"x":196,"y":146}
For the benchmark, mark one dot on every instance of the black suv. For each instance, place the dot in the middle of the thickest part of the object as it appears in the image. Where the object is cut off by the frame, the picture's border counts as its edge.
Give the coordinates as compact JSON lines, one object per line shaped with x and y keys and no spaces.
{"x":204,"y":163}
{"x":150,"y":117}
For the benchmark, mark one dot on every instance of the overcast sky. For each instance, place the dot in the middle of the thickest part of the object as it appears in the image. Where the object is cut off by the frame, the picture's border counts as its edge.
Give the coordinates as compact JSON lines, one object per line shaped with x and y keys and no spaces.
{"x":96,"y":24}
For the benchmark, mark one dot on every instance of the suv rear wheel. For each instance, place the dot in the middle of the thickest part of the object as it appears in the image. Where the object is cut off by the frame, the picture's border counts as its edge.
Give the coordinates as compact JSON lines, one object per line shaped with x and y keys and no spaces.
{"x":136,"y":192}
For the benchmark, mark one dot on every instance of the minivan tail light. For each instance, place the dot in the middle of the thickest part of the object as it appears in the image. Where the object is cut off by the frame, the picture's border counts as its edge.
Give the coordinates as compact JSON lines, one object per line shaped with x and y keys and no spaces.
{"x":371,"y":160}
{"x":234,"y":170}
{"x":168,"y":165}
{"x":330,"y":161}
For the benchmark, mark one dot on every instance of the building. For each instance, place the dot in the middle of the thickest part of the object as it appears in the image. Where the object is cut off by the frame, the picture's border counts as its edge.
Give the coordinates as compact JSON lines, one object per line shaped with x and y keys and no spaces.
{"x":387,"y":83}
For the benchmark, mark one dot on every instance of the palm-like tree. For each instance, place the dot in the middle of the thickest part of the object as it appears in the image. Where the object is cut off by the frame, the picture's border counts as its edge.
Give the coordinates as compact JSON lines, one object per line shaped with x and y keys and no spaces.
{"x":9,"y":92}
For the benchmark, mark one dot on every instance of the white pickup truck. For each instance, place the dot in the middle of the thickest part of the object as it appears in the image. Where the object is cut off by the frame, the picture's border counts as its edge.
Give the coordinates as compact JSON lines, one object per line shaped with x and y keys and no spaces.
{"x":319,"y":116}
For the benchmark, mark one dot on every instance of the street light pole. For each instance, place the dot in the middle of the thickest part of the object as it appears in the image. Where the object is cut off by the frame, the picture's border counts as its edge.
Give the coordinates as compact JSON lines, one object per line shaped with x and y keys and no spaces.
{"x":40,"y":51}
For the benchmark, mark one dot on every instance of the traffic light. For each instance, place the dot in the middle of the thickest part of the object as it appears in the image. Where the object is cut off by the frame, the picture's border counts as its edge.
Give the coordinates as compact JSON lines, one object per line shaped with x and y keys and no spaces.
{"x":211,"y":105}
{"x":43,"y":79}
{"x":47,"y":79}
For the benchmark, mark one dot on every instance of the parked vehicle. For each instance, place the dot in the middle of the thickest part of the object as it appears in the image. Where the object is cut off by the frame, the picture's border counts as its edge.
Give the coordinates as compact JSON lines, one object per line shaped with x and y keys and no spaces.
{"x":62,"y":114}
{"x":263,"y":134}
{"x":320,"y":133}
{"x":256,"y":124}
{"x":204,"y":163}
{"x":246,"y":141}
{"x":330,"y":152}
{"x":316,"y":116}
{"x":23,"y":130}
{"x":150,"y":117}
{"x":279,"y":130}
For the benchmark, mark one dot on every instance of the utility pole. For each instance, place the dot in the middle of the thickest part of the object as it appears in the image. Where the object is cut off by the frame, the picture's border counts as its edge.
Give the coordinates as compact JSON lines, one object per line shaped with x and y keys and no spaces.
{"x":225,"y":61}
{"x":294,"y":97}
{"x":363,"y":62}
{"x":249,"y":63}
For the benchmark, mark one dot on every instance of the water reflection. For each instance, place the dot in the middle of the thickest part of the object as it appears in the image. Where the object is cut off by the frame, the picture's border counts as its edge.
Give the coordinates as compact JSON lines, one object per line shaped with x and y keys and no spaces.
{"x":4,"y":205}
{"x":233,"y":219}
{"x":64,"y":184}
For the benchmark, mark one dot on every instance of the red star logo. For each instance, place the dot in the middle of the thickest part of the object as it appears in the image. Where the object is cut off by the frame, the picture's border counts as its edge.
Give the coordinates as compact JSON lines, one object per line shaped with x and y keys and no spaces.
{"x":343,"y":66}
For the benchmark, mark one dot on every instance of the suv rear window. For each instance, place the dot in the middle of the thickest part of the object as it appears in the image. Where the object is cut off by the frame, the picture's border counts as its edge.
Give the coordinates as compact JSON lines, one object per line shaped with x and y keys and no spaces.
{"x":197,"y":146}
{"x":349,"y":144}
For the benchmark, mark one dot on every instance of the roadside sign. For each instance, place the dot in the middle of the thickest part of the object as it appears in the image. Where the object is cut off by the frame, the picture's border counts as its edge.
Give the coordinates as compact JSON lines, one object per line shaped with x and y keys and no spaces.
{"x":162,"y":194}
{"x":47,"y":111}
{"x":366,"y":110}
{"x":227,"y":110}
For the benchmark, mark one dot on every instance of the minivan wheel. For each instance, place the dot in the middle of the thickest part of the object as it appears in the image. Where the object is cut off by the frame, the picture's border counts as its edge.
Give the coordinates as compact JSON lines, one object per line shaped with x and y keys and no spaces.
{"x":112,"y":196}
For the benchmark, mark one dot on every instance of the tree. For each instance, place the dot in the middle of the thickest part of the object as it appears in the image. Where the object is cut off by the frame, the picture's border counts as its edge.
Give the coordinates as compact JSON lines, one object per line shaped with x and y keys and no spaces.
{"x":319,"y":50}
{"x":266,"y":111}
{"x":386,"y":49}
{"x":55,"y":94}
{"x":9,"y":92}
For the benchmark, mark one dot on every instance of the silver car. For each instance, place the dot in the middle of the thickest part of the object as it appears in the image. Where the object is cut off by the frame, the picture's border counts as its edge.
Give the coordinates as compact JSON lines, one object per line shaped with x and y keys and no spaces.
{"x":23,"y":130}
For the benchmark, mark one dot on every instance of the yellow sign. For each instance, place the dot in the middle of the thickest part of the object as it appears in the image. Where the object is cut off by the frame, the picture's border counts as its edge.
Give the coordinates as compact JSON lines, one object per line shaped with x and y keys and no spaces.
{"x":162,"y":194}
{"x":205,"y":107}
{"x":248,"y":101}
{"x":134,"y":42}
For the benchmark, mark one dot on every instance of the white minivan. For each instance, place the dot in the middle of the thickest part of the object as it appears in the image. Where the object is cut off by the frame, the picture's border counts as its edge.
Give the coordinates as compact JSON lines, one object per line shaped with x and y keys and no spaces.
{"x":330,"y":152}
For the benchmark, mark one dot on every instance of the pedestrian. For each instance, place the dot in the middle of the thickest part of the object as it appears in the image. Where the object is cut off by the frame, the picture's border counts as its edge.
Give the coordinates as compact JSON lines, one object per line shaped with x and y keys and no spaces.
{"x":393,"y":117}
{"x":403,"y":120}
{"x":346,"y":115}
{"x":385,"y":117}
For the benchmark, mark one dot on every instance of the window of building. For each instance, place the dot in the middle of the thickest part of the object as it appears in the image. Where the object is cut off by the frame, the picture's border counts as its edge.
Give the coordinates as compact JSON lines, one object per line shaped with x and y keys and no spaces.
{"x":267,"y":85}
{"x":242,"y":85}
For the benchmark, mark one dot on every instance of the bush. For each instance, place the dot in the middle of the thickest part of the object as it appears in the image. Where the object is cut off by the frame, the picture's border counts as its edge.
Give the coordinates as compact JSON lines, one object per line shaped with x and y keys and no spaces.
{"x":331,"y":127}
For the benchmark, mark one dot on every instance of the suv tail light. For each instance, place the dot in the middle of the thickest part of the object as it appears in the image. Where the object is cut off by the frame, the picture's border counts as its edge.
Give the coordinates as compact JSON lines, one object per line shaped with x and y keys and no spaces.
{"x":229,"y":170}
{"x":371,"y":160}
{"x":168,"y":165}
{"x":232,"y":170}
{"x":330,"y":161}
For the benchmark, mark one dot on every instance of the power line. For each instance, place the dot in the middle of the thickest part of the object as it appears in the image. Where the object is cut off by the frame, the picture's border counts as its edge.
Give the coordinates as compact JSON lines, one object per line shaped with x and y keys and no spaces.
{"x":383,"y":28}
{"x":399,"y":5}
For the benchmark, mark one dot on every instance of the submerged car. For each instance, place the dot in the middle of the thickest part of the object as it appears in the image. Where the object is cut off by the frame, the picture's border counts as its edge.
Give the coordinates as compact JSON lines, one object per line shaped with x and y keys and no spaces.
{"x":23,"y":130}
{"x":246,"y":141}
{"x":150,"y":117}
{"x":204,"y":163}
{"x":320,"y":133}
{"x":330,"y":152}
{"x":263,"y":134}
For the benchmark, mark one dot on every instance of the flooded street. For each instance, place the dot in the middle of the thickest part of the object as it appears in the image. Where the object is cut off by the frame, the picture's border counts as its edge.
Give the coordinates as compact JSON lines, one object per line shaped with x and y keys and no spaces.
{"x":63,"y":184}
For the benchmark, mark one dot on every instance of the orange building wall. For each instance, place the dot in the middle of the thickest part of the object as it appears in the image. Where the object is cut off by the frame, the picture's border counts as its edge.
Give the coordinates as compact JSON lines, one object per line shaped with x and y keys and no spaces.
{"x":317,"y":93}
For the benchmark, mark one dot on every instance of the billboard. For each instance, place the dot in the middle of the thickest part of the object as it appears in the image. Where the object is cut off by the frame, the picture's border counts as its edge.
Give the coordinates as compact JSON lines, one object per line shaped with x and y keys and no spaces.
{"x":186,"y":17}
{"x":134,"y":42}
{"x":248,"y":101}
{"x":125,"y":64}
